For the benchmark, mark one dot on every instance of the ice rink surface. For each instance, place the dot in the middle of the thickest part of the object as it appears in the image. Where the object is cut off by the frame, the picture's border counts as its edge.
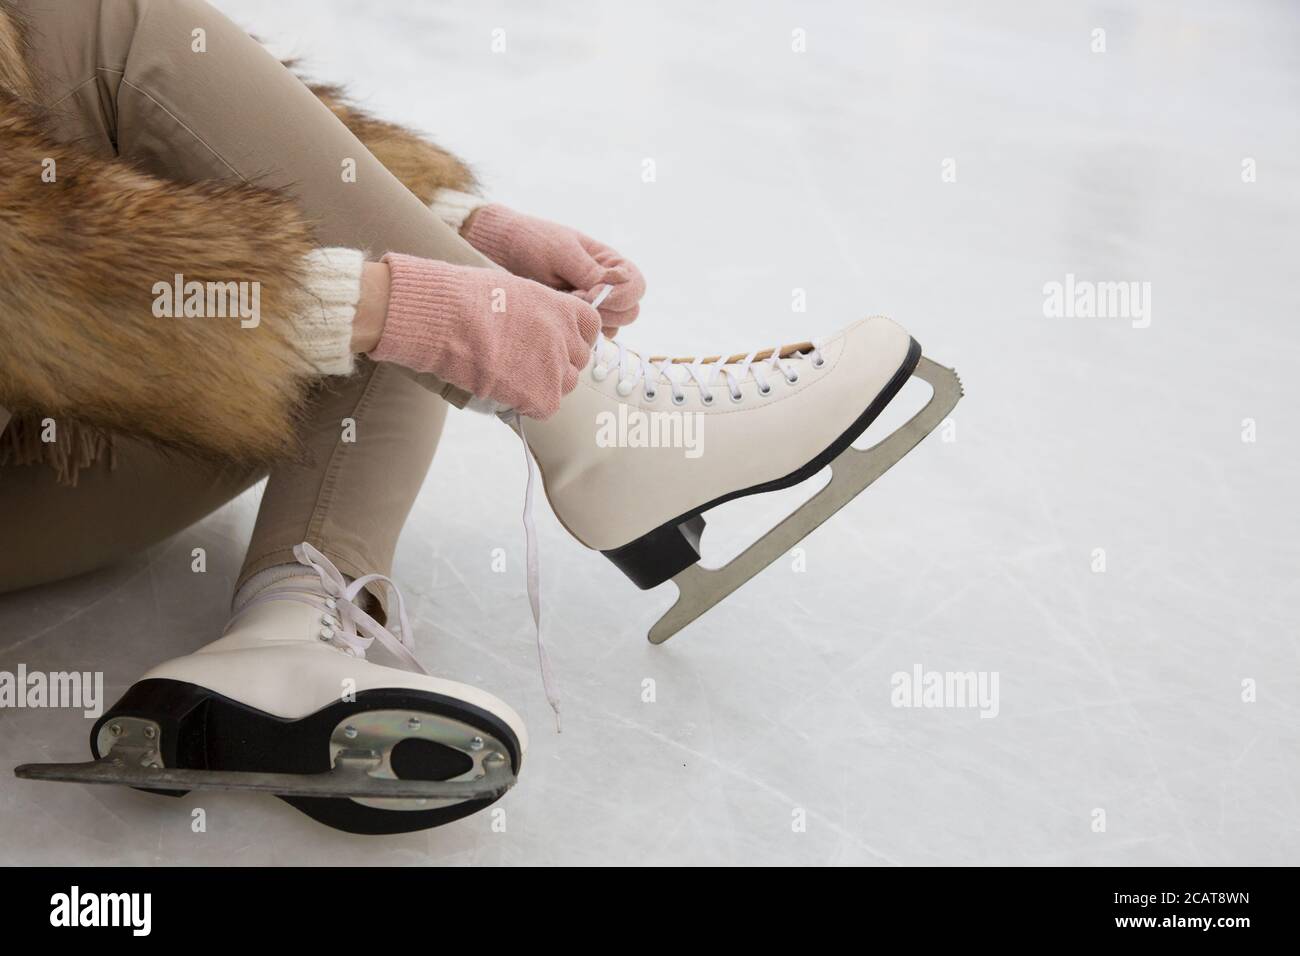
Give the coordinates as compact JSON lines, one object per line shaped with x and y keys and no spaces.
{"x":1147,"y":713}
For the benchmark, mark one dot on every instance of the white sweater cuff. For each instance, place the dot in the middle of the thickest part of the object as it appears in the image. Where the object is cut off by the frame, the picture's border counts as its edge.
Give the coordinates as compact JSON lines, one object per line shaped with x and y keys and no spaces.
{"x":454,"y":207}
{"x":333,"y":282}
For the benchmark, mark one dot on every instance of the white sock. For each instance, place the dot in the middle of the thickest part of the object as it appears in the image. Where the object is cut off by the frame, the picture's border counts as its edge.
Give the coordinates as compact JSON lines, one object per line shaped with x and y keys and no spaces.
{"x":265,"y":578}
{"x":277,"y":573}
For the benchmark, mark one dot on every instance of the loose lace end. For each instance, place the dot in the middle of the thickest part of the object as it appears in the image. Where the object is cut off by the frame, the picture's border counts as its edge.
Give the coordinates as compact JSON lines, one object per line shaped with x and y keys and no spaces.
{"x":533,"y":564}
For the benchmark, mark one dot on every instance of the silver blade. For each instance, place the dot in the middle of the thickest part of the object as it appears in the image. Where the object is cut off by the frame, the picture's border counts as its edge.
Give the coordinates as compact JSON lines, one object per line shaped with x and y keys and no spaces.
{"x":700,"y":588}
{"x":350,"y":777}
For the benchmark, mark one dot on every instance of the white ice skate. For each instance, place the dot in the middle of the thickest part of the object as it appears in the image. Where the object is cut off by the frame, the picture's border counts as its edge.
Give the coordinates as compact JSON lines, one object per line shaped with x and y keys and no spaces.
{"x":286,"y":703}
{"x":767,"y":420}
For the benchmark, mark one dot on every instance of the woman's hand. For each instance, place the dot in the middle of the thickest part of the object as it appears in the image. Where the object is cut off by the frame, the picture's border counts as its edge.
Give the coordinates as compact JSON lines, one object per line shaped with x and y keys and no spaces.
{"x":496,"y":335}
{"x":559,"y":257}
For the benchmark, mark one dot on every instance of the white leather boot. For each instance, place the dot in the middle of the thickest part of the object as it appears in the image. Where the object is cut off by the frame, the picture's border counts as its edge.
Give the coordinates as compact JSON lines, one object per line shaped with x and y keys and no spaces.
{"x":691,"y":434}
{"x":286,"y":703}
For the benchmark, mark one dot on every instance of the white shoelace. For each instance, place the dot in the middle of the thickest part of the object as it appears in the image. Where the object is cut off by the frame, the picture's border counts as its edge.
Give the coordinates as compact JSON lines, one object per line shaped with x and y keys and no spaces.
{"x":533,"y":563}
{"x":705,"y":373}
{"x":341,"y":617}
{"x":534,"y":573}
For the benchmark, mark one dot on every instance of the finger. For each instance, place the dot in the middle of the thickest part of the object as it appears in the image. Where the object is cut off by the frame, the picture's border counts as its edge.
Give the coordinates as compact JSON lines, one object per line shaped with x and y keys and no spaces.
{"x":570,"y":381}
{"x":616,"y":275}
{"x":604,"y":254}
{"x":610,"y":317}
{"x":577,"y":345}
{"x":632,"y":291}
{"x":620,"y":270}
{"x":576,"y":267}
{"x":609,"y":331}
{"x":576,"y":351}
{"x":626,"y":294}
{"x":589,"y":323}
{"x":597,"y":295}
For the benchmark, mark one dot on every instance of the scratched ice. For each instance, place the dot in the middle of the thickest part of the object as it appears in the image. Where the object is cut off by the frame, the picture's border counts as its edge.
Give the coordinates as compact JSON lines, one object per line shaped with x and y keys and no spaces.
{"x":1120,"y":691}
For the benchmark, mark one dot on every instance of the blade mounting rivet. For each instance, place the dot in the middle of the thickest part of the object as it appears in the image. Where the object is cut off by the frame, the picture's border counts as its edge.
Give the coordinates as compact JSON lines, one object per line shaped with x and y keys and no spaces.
{"x":115,"y":730}
{"x":150,"y":733}
{"x":349,"y":732}
{"x":476,"y":743}
{"x":413,"y":723}
{"x":494,"y":759}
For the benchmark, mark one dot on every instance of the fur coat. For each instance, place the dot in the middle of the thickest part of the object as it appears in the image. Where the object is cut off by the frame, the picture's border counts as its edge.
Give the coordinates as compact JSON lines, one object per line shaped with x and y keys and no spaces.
{"x":78,"y":257}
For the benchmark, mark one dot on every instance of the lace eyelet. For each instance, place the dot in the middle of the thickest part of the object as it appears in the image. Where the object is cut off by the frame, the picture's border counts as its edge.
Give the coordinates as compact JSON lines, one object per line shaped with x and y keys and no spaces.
{"x":650,"y":395}
{"x":326,"y":634}
{"x":765,"y":390}
{"x":624,"y":387}
{"x":818,"y":362}
{"x":679,"y":399}
{"x":706,"y":397}
{"x":736,"y":397}
{"x":599,"y":373}
{"x":792,"y":379}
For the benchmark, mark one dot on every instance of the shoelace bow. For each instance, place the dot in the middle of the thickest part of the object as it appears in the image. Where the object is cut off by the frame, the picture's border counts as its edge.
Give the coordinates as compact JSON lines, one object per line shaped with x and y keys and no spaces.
{"x":343,"y":623}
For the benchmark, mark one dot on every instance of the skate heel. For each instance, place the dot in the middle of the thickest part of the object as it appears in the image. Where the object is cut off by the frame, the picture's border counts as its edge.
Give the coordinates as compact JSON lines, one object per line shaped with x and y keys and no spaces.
{"x":656,"y":556}
{"x":161,"y":721}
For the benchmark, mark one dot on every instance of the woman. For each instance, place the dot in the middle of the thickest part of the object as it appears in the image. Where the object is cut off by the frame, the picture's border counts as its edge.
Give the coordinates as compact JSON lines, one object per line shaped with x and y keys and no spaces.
{"x":212,"y":273}
{"x":144,"y":140}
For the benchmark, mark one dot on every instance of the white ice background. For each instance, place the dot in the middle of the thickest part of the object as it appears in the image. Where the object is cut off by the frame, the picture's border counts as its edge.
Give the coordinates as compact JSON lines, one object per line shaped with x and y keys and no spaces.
{"x":1120,"y":691}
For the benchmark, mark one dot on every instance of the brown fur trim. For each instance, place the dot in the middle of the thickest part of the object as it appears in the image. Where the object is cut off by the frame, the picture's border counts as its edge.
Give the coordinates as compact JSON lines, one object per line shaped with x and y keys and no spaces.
{"x":422,"y":166}
{"x":79,"y":258}
{"x":14,"y":76}
{"x":75,"y":447}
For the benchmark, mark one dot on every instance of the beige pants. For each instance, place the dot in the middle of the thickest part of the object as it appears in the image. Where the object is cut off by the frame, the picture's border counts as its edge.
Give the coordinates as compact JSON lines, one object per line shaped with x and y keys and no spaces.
{"x":123,"y":80}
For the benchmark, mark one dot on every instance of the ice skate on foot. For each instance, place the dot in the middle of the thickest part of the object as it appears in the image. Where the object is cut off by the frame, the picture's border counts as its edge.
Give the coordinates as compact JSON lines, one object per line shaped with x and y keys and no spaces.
{"x":287,"y":704}
{"x":768,"y":420}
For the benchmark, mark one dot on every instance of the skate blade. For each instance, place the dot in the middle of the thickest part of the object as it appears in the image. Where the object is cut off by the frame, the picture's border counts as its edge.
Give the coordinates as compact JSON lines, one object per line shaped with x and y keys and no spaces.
{"x":700,"y":588}
{"x":361,"y":750}
{"x":349,"y":779}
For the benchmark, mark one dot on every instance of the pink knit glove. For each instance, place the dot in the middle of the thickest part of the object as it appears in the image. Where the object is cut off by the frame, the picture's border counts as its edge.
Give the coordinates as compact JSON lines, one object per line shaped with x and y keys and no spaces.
{"x":559,"y":257}
{"x":526,"y":356}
